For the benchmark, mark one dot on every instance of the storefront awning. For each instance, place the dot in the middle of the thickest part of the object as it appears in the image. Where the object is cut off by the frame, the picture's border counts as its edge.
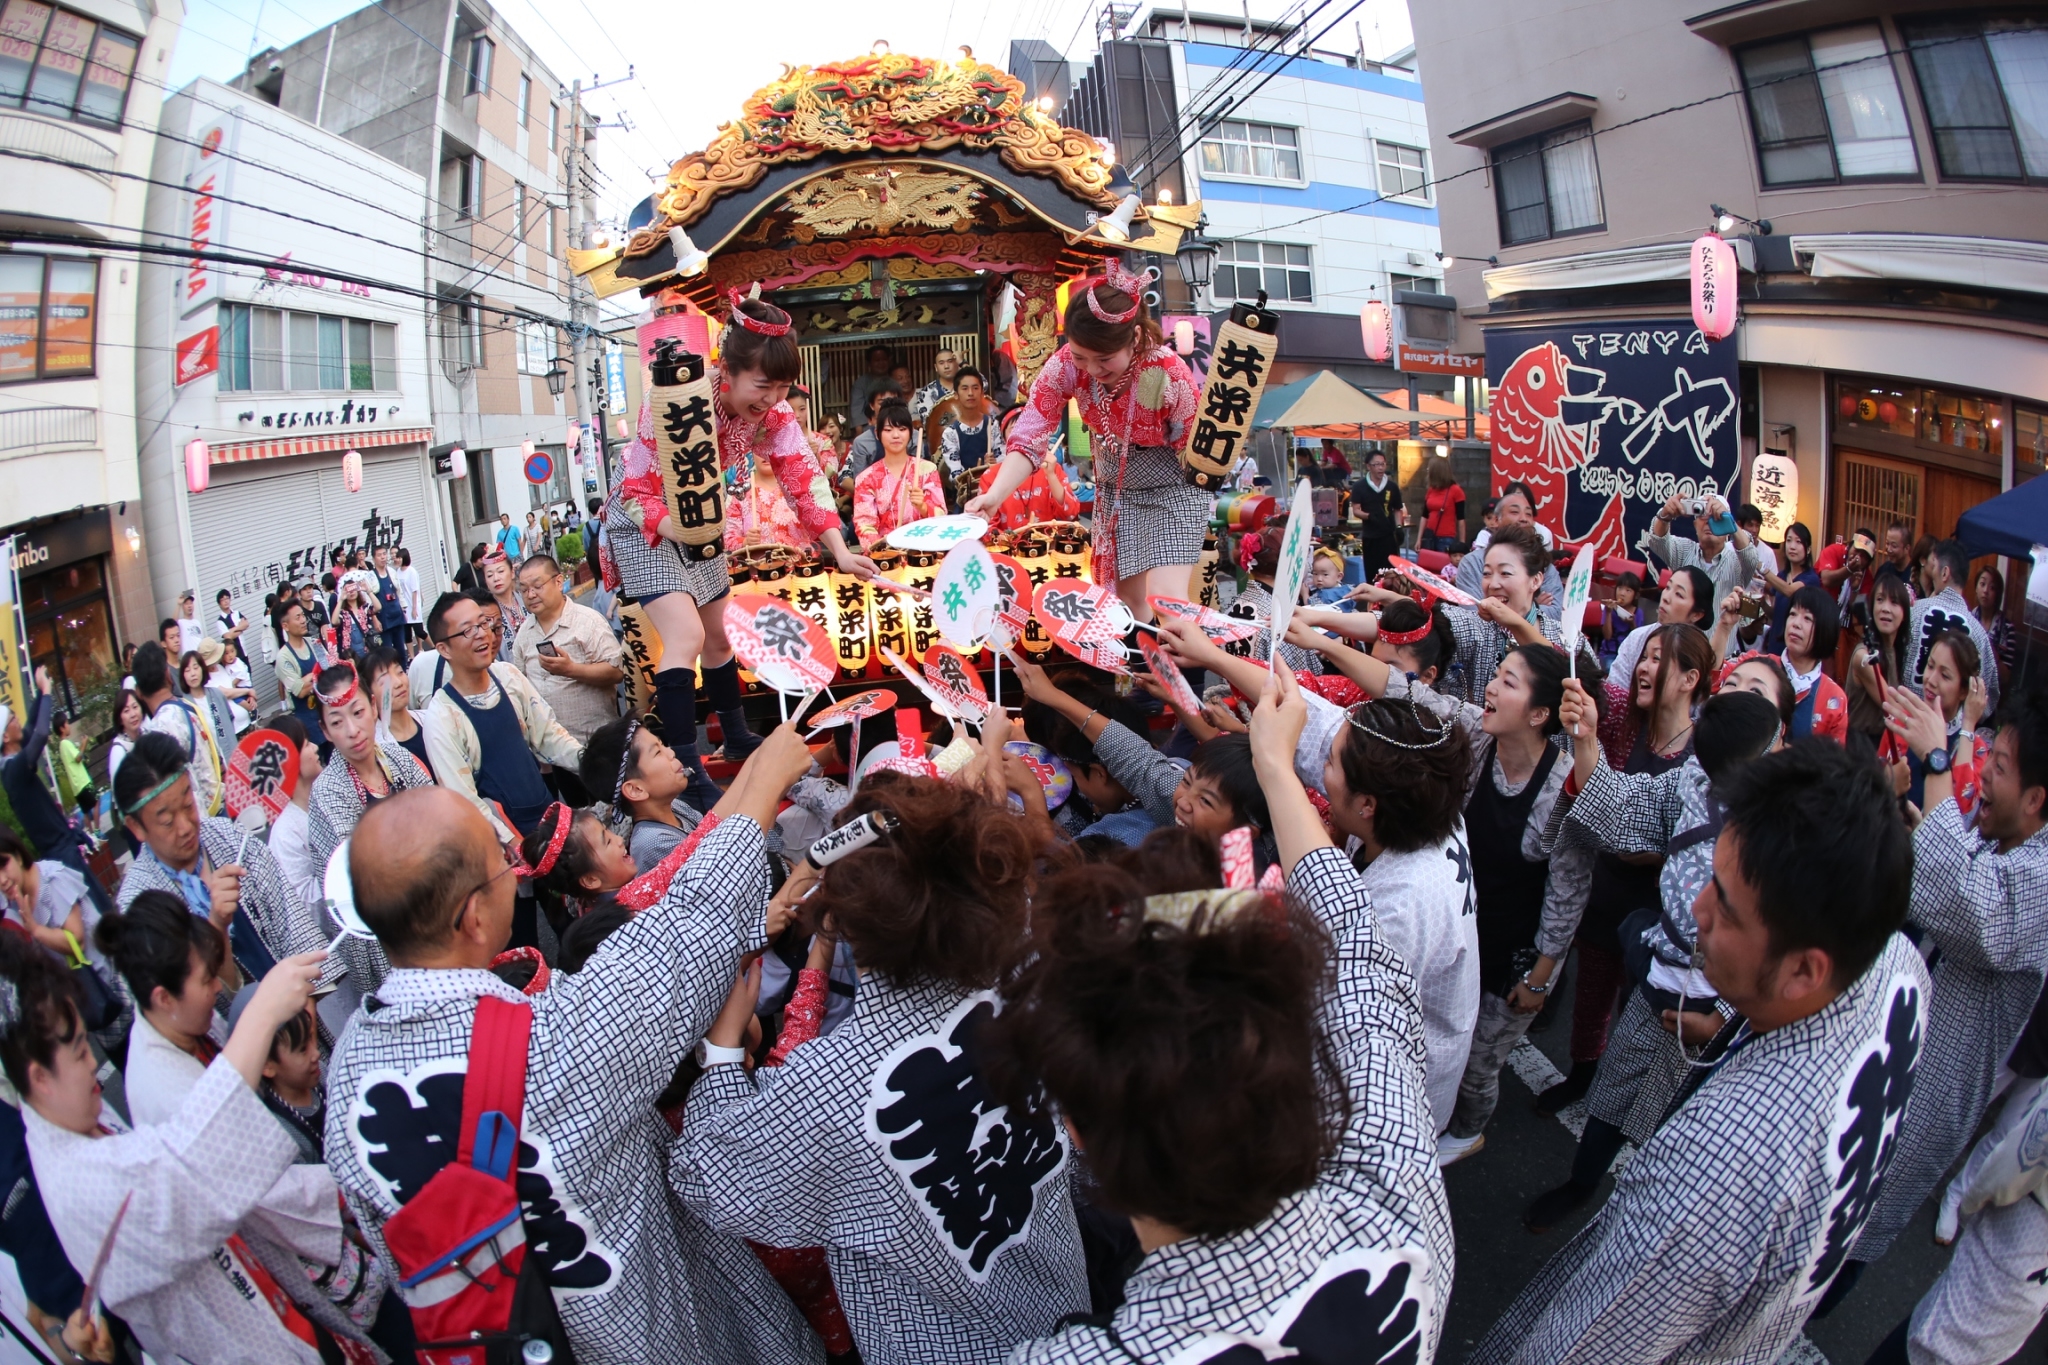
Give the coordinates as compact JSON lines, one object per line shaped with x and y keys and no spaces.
{"x":236,"y":452}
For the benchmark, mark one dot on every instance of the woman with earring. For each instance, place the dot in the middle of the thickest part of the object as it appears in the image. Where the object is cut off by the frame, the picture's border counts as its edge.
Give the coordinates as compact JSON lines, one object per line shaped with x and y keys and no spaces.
{"x":682,"y":594}
{"x":1137,"y":399}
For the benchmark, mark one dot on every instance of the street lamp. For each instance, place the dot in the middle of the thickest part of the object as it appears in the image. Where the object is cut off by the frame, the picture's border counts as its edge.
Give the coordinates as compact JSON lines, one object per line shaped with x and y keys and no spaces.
{"x":1196,"y":257}
{"x":557,"y":377}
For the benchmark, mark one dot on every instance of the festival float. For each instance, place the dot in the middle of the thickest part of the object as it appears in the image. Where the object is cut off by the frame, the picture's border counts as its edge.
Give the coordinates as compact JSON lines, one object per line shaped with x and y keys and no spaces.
{"x":896,"y":200}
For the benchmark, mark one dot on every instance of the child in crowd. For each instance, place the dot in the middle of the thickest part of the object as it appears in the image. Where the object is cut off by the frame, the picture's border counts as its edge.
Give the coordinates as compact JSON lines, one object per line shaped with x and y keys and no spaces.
{"x":1326,"y":587}
{"x":291,"y":1079}
{"x":576,"y":862}
{"x":1622,"y":615}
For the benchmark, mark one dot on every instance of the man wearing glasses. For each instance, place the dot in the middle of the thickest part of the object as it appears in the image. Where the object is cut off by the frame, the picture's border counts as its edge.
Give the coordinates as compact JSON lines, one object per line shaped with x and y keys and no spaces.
{"x":488,"y":731}
{"x":567,"y":651}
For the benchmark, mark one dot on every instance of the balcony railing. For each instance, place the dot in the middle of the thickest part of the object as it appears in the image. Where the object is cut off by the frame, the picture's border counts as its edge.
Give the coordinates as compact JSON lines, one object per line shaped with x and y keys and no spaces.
{"x":39,"y":431}
{"x":43,"y":137}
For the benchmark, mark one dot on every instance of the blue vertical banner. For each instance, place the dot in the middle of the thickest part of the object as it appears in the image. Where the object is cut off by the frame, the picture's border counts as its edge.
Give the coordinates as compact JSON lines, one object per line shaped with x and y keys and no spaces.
{"x":615,"y":379}
{"x":1606,"y":421}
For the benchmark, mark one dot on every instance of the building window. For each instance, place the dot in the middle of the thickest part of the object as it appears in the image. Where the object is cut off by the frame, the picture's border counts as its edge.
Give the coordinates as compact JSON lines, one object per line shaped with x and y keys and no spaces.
{"x":481,"y":50}
{"x":1414,"y":284}
{"x":536,"y":348}
{"x":1244,"y":268}
{"x":1260,"y":151}
{"x":63,"y":64}
{"x":547,"y":214}
{"x":554,"y":124}
{"x":1548,"y":186}
{"x":1404,"y":171}
{"x":270,"y":350}
{"x":48,"y":310}
{"x":1826,"y":107}
{"x":460,"y":323}
{"x":525,"y":99}
{"x":1985,"y":84}
{"x":519,"y":212}
{"x":483,"y":488}
{"x":469,"y":186}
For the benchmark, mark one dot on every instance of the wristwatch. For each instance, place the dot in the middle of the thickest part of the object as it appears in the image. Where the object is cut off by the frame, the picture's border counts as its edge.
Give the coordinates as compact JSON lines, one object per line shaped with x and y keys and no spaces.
{"x":710,"y":1054}
{"x":1937,"y":760}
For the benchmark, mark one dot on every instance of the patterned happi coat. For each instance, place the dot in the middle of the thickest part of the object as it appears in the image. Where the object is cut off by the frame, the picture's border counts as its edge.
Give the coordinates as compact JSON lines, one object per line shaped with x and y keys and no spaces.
{"x":1729,"y":1224}
{"x":333,"y":811}
{"x":945,"y":1216}
{"x":1358,"y":1266}
{"x":635,"y":1279}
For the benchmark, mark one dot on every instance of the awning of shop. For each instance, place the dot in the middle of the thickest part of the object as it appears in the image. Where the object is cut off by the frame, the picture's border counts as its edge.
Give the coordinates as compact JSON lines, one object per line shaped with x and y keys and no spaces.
{"x":1438,"y":420}
{"x":1322,"y":399}
{"x":236,"y":452}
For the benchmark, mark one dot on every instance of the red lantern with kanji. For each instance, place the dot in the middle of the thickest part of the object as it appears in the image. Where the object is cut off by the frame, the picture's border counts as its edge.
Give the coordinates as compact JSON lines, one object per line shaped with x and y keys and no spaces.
{"x":352,"y":471}
{"x":1376,"y":324}
{"x":198,"y":466}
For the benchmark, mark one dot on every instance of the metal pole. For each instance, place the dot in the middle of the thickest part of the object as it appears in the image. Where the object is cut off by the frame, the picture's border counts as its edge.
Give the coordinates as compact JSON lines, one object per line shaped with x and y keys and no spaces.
{"x":1414,"y":417}
{"x":579,"y":229}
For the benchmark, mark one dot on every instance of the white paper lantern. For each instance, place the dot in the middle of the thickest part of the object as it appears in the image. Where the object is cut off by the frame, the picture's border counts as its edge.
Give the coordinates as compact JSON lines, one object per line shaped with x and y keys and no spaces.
{"x":1713,"y":287}
{"x":1376,"y":324}
{"x":1184,"y":337}
{"x":458,"y":463}
{"x":1774,"y":488}
{"x":352,"y":471}
{"x":198,"y":469}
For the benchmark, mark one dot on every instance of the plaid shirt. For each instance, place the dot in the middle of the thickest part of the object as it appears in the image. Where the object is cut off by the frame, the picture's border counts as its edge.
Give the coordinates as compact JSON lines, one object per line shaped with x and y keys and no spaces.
{"x":1359,"y":1265}
{"x":284,"y":923}
{"x":635,"y":1279}
{"x":1727,"y":1226}
{"x":946,"y":1219}
{"x":1986,"y":913}
{"x":333,"y":811}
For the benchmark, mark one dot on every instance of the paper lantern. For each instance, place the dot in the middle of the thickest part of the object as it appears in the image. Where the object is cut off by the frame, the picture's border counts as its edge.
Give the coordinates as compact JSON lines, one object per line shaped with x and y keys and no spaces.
{"x":198,"y":469}
{"x":920,"y":570}
{"x":1376,"y":323}
{"x":1033,"y":553}
{"x":352,"y":471}
{"x":1713,"y":286}
{"x":891,"y":615}
{"x":851,"y":625}
{"x":1847,"y":405}
{"x":1774,"y":488}
{"x":1887,"y":412}
{"x":1184,"y":337}
{"x":458,"y":463}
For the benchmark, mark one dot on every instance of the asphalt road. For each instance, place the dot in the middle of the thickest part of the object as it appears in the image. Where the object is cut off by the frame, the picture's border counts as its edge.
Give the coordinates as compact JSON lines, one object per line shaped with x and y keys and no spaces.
{"x":1526,"y":1154}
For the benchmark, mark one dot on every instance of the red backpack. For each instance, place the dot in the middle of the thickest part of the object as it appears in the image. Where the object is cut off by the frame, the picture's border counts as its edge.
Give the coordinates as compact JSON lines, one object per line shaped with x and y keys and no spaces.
{"x":475,"y":1295}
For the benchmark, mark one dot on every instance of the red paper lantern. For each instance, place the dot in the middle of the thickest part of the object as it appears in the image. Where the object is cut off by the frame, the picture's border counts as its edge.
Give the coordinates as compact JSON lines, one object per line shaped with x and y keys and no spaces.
{"x":1887,"y":412}
{"x":352,"y":471}
{"x":1713,"y":287}
{"x":1847,"y":405}
{"x":1376,"y":325}
{"x":198,"y":469}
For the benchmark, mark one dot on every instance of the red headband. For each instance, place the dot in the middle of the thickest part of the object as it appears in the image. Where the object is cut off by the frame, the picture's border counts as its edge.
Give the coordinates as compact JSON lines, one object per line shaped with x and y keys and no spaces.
{"x":1728,"y":669}
{"x":1116,"y":277}
{"x":560,"y":837}
{"x":1408,"y":637}
{"x":753,"y":324}
{"x":348,"y":694}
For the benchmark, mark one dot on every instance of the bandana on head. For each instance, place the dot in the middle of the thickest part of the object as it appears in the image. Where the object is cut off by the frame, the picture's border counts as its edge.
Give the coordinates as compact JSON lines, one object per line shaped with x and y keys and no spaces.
{"x":770,"y":328}
{"x":1409,"y":637}
{"x":1117,"y":277}
{"x":553,"y":852}
{"x":1180,"y":908}
{"x":1748,"y":656}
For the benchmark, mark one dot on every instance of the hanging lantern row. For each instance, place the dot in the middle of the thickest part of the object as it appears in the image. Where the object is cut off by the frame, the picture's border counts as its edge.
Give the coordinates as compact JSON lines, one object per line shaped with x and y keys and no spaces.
{"x":1376,"y":324}
{"x":1713,"y":286}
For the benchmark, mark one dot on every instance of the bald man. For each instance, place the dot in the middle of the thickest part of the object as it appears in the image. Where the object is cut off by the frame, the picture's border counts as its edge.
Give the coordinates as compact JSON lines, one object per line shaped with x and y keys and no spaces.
{"x":635,"y":1278}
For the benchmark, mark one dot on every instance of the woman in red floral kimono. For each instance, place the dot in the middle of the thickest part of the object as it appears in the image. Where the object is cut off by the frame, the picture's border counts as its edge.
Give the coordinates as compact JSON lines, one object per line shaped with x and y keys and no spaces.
{"x":1138,"y":401}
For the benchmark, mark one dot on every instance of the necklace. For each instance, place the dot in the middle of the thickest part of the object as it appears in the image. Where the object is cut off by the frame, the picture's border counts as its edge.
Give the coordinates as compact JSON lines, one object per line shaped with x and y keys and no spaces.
{"x":1665,"y":747}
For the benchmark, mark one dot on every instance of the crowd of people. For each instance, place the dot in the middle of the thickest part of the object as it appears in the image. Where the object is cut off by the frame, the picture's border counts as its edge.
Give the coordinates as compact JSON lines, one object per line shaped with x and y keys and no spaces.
{"x":516,"y":1036}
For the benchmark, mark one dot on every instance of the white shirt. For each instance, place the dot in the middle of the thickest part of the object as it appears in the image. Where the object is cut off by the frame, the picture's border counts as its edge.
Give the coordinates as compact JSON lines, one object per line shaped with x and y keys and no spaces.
{"x":408,"y":580}
{"x":195,"y":1176}
{"x":190,"y":633}
{"x":1425,"y":904}
{"x":289,"y":835}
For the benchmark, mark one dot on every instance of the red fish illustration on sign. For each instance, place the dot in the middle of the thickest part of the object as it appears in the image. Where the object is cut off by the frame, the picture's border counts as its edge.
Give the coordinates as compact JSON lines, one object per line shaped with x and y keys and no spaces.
{"x":1540,"y":440}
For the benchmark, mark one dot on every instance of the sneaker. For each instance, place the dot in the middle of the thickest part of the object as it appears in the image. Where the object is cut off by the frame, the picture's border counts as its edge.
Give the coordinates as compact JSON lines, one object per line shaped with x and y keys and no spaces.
{"x":1451,"y":1150}
{"x":1552,"y":1207}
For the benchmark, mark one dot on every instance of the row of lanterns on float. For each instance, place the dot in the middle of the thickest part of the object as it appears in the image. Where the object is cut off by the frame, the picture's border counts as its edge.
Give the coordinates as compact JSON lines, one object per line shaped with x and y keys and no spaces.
{"x":199,"y":465}
{"x":1713,"y":273}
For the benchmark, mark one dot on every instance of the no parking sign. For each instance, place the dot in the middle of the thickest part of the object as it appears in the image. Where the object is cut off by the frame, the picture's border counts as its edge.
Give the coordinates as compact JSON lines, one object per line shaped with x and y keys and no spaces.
{"x":540,"y":467}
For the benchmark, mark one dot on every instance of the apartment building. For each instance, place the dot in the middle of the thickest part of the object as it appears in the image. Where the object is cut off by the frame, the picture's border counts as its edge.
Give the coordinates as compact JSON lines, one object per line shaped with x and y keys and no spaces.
{"x":80,"y":85}
{"x":449,"y":91}
{"x":316,"y":347}
{"x":1881,"y":173}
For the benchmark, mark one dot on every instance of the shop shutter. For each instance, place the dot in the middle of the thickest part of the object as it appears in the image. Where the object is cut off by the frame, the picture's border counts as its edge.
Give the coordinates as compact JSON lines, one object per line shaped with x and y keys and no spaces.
{"x":254,"y":519}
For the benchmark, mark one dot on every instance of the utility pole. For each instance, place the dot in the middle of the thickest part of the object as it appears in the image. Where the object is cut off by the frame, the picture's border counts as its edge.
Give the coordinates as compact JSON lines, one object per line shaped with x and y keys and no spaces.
{"x":579,"y":230}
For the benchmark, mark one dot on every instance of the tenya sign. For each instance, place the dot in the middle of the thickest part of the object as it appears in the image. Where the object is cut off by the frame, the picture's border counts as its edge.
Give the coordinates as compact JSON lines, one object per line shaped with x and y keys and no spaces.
{"x":1604,"y":423}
